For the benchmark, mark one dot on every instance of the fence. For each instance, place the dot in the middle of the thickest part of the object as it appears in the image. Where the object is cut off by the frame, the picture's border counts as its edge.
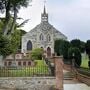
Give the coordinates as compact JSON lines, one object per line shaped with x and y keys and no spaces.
{"x":25,"y":71}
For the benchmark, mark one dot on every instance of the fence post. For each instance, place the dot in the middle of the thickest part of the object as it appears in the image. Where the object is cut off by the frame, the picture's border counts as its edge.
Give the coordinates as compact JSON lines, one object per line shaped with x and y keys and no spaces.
{"x":59,"y":72}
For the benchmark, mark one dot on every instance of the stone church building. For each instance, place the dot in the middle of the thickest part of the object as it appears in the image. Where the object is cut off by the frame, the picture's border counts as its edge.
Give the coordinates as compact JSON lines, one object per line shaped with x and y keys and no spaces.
{"x":42,"y":36}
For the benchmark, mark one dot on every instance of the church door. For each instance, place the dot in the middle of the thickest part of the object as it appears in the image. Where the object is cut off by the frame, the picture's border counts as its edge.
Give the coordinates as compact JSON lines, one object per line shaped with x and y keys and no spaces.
{"x":29,"y":45}
{"x":48,"y":52}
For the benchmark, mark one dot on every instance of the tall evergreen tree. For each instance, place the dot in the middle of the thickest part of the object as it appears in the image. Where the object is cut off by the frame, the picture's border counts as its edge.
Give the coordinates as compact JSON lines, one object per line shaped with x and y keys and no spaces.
{"x":88,"y":48}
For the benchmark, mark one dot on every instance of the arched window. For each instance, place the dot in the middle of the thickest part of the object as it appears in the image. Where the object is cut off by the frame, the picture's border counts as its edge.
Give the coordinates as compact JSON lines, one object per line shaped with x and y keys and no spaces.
{"x":41,"y":37}
{"x":29,"y":45}
{"x":48,"y":38}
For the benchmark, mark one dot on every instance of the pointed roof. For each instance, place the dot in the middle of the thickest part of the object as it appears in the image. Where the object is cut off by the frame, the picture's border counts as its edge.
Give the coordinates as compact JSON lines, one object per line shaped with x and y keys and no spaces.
{"x":44,"y":12}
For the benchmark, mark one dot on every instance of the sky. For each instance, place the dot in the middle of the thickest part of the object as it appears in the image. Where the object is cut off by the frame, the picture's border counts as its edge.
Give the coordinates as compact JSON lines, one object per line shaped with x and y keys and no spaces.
{"x":71,"y":17}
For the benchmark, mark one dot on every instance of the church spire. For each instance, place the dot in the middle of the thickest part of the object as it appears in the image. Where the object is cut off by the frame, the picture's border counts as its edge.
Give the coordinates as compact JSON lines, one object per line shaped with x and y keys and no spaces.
{"x":44,"y":15}
{"x":44,"y":10}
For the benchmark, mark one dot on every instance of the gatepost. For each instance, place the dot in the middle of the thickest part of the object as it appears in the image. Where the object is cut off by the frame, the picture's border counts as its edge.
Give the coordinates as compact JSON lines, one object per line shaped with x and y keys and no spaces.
{"x":59,"y":72}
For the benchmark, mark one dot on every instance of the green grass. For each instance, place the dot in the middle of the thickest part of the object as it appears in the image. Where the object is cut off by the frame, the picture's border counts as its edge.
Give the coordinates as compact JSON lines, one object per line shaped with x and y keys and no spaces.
{"x":85,"y":60}
{"x":40,"y":69}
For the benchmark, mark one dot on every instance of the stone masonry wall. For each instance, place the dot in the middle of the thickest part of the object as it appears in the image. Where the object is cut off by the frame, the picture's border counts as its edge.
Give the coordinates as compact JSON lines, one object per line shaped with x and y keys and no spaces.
{"x":27,"y":83}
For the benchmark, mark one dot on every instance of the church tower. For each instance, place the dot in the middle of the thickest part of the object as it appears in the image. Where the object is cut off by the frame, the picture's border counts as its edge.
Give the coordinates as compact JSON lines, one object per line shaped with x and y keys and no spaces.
{"x":44,"y":16}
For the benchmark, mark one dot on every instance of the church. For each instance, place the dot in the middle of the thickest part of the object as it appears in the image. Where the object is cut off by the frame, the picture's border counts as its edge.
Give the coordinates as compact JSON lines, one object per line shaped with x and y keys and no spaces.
{"x":42,"y":36}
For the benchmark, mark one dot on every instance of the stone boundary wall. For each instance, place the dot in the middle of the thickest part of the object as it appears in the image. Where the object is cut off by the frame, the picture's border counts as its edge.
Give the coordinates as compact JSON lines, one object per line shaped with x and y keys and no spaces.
{"x":83,"y":78}
{"x":27,"y":83}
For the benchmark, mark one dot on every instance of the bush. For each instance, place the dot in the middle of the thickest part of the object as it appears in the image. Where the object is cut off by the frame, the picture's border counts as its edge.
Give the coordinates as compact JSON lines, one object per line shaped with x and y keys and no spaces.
{"x":78,"y":44}
{"x":36,"y":54}
{"x":77,"y":55}
{"x":61,"y":48}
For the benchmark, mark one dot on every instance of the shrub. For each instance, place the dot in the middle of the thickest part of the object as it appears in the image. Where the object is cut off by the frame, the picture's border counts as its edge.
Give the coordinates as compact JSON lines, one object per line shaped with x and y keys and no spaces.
{"x":61,"y":48}
{"x":77,"y":55}
{"x":36,"y":54}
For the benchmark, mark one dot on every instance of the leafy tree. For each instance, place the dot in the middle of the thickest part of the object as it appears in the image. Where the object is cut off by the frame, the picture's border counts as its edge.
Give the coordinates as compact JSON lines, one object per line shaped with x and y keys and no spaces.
{"x":61,"y":48}
{"x":56,"y":47}
{"x":79,"y":44}
{"x":9,"y":6}
{"x":75,"y":43}
{"x":36,"y":54}
{"x":77,"y":55}
{"x":5,"y":46}
{"x":15,"y":40}
{"x":8,"y":26}
{"x":16,"y":5}
{"x":88,"y":48}
{"x":82,"y":46}
{"x":65,"y":47}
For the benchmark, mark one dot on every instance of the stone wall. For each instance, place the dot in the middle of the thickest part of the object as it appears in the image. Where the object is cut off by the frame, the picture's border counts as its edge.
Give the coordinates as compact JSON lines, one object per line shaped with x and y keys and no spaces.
{"x":28,"y":83}
{"x":83,"y":78}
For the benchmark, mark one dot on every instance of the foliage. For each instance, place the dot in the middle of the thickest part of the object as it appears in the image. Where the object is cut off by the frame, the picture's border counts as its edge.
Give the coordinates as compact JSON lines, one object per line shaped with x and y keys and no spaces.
{"x":56,"y":47}
{"x":61,"y":48}
{"x":88,"y":48}
{"x":82,"y":46}
{"x":8,"y":25}
{"x":15,"y":40}
{"x":37,"y":53}
{"x":5,"y":46}
{"x":77,"y":55}
{"x":75,"y":43}
{"x":79,"y":44}
{"x":11,"y":8}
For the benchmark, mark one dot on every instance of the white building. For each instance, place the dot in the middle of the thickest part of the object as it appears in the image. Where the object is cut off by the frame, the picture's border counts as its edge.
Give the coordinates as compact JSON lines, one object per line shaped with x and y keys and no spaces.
{"x":42,"y":36}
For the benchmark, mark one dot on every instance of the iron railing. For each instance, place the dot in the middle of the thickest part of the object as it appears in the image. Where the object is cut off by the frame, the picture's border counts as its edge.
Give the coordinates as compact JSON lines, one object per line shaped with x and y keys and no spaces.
{"x":25,"y":71}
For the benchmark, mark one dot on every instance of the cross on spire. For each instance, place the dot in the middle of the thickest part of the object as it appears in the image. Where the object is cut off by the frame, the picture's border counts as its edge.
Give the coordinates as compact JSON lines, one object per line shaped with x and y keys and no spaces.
{"x":45,"y":2}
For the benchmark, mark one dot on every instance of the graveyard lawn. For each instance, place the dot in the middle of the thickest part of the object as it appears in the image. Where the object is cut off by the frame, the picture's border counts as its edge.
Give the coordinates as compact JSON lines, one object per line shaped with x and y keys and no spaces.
{"x":38,"y":70}
{"x":84,"y":63}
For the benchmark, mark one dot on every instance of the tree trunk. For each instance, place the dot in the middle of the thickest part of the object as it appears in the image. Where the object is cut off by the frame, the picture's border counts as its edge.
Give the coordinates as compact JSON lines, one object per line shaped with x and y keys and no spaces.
{"x":14,"y":21}
{"x":7,"y":19}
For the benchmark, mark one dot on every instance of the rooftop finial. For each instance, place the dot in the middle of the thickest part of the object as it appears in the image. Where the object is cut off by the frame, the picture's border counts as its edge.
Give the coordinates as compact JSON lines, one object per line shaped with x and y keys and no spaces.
{"x":44,"y":7}
{"x":44,"y":2}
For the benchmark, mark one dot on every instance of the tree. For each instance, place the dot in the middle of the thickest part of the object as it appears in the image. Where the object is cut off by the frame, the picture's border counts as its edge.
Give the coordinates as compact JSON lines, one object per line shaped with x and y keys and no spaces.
{"x":88,"y":48}
{"x":77,"y":55}
{"x":8,"y":26}
{"x":65,"y":47}
{"x":36,"y":54}
{"x":16,"y":5}
{"x":79,"y":44}
{"x":82,"y":45}
{"x":75,"y":43}
{"x":15,"y":40}
{"x":5,"y":46}
{"x":56,"y":47}
{"x":9,"y":6}
{"x":61,"y":48}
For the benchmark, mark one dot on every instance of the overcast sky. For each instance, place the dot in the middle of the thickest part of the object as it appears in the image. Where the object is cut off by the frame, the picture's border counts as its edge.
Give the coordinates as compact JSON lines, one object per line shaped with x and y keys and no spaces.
{"x":71,"y":17}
